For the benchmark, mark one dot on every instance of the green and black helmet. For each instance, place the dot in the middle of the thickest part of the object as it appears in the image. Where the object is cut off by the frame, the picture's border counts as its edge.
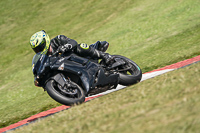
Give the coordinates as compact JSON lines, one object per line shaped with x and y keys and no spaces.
{"x":40,"y":42}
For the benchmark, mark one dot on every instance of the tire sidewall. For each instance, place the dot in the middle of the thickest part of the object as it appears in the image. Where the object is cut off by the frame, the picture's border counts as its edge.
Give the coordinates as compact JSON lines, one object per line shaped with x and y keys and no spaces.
{"x":61,"y":98}
{"x":129,"y":79}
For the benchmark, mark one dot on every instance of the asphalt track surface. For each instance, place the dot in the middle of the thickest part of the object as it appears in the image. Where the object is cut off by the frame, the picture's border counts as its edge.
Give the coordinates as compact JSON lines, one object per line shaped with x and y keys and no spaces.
{"x":145,"y":76}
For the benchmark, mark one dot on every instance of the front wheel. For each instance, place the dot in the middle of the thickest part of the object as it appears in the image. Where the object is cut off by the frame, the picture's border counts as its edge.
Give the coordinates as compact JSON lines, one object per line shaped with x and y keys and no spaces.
{"x":65,"y":95}
{"x":130,"y":73}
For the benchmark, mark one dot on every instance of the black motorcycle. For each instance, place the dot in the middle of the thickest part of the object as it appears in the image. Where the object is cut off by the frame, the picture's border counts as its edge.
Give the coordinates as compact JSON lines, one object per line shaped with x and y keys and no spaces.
{"x":69,"y":78}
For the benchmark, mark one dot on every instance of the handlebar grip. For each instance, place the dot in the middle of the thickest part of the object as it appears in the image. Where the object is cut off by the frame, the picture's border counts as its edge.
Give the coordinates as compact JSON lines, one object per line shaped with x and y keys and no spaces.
{"x":57,"y":51}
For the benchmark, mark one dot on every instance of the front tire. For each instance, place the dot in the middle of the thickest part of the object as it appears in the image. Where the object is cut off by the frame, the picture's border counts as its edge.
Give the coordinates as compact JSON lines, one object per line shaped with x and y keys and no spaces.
{"x":57,"y":94}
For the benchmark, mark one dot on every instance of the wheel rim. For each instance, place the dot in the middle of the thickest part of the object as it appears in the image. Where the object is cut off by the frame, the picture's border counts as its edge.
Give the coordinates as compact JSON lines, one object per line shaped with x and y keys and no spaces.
{"x":128,"y":69}
{"x":71,"y":92}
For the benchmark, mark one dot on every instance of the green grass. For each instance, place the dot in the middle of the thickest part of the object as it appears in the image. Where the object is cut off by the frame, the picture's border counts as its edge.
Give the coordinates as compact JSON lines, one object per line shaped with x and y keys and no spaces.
{"x":169,"y":103}
{"x":153,"y":33}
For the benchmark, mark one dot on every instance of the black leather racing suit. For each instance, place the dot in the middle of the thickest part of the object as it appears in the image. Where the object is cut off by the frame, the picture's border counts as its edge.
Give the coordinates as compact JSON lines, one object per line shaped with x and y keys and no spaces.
{"x":94,"y":51}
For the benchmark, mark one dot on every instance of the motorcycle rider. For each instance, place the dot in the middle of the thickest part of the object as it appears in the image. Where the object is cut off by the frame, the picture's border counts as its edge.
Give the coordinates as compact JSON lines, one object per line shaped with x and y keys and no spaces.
{"x":40,"y":42}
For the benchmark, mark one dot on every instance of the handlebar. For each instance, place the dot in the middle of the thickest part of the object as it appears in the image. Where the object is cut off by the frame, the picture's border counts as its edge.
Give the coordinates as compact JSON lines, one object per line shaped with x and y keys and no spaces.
{"x":62,"y":49}
{"x":57,"y":51}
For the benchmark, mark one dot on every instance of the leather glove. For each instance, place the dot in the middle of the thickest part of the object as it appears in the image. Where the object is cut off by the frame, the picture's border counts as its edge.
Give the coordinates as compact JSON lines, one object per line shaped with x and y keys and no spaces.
{"x":68,"y":46}
{"x":65,"y":48}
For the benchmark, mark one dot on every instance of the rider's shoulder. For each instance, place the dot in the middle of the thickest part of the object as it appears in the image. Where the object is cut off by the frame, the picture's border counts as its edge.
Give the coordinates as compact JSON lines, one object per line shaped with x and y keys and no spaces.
{"x":60,"y":37}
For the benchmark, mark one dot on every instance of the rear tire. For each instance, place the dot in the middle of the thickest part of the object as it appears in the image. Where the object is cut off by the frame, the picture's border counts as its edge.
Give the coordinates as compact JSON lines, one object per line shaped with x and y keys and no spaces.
{"x":130,"y":76}
{"x":53,"y":91}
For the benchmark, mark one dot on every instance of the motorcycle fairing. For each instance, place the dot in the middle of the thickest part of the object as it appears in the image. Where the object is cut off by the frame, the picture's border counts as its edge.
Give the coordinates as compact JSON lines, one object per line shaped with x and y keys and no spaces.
{"x":38,"y":63}
{"x":86,"y":70}
{"x":103,"y":80}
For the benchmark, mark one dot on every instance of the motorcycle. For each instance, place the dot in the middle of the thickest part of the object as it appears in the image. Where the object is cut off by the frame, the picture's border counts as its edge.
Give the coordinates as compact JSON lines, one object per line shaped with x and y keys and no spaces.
{"x":69,"y":78}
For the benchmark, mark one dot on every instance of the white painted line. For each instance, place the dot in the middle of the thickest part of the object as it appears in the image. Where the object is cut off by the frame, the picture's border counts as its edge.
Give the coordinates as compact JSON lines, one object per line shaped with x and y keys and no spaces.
{"x":144,"y":77}
{"x":154,"y":74}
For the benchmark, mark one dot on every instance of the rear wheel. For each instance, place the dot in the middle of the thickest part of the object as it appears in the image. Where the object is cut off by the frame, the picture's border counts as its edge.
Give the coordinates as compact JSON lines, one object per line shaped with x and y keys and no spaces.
{"x":68,"y":95}
{"x":130,"y":73}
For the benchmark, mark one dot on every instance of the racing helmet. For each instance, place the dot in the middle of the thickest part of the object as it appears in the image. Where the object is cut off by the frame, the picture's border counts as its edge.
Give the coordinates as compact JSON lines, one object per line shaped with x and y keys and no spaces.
{"x":40,"y":42}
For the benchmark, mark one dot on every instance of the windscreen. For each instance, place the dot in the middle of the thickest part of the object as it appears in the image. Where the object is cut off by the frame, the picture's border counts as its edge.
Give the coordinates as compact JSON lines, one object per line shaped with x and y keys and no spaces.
{"x":36,"y":57}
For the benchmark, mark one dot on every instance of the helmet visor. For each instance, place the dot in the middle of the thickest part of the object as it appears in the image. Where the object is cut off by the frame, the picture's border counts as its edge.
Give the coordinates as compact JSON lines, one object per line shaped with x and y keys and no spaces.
{"x":40,"y":47}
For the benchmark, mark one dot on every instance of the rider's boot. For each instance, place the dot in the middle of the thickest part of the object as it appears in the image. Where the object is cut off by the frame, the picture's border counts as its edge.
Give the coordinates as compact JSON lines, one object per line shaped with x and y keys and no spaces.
{"x":102,"y":55}
{"x":100,"y":45}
